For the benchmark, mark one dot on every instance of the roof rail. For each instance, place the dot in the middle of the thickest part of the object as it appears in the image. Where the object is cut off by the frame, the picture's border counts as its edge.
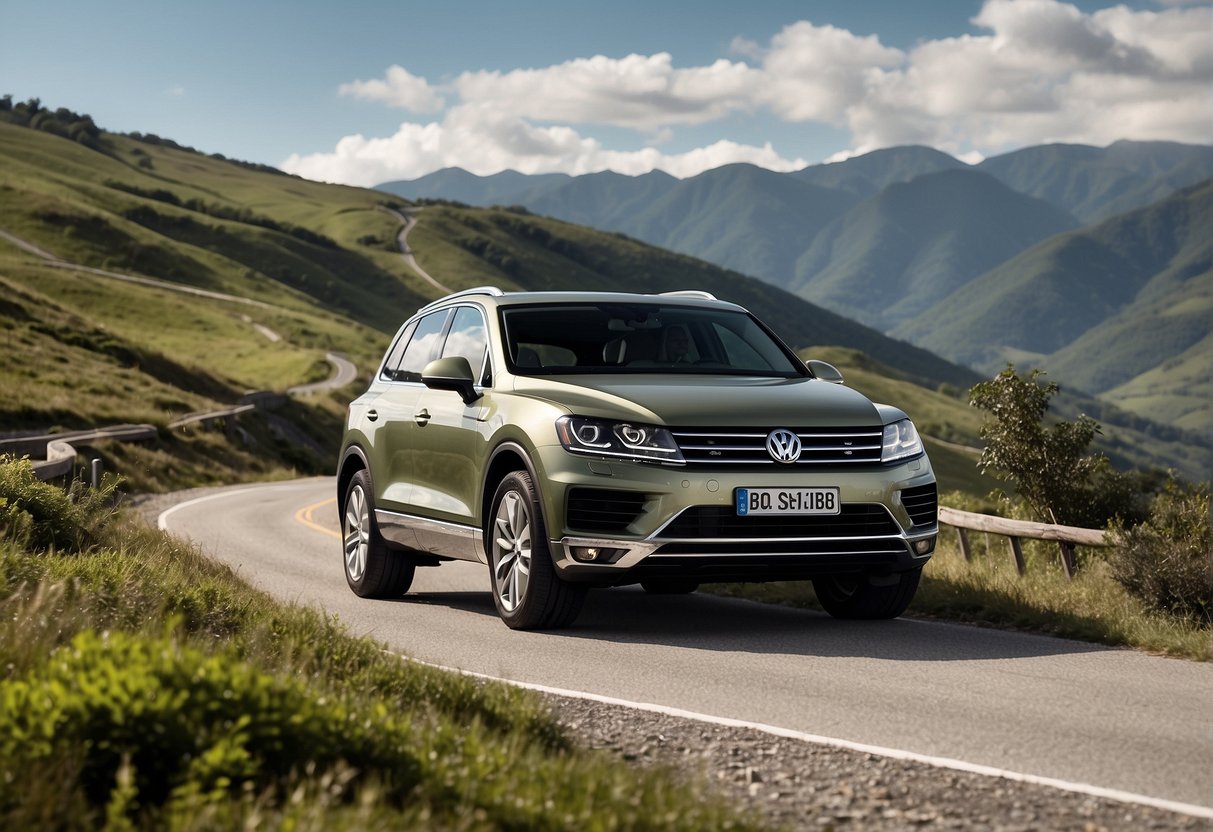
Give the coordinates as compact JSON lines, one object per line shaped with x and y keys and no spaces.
{"x":492,"y":291}
{"x":689,"y":293}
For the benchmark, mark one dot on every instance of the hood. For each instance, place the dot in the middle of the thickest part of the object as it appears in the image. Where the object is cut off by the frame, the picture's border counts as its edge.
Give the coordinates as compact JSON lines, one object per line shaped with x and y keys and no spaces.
{"x":705,"y":401}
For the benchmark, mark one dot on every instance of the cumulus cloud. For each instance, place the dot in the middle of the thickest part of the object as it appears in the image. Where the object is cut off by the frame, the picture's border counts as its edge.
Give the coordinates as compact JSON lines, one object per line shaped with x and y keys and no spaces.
{"x":398,"y":88}
{"x":486,"y":141}
{"x":1037,"y":71}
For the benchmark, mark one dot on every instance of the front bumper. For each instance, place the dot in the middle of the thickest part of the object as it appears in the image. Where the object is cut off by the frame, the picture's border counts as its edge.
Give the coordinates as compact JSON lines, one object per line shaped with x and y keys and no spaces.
{"x":677,"y":533}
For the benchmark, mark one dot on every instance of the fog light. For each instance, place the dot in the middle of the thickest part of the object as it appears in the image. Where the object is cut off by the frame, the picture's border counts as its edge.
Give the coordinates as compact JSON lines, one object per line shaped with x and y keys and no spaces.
{"x":596,"y":554}
{"x":924,"y":546}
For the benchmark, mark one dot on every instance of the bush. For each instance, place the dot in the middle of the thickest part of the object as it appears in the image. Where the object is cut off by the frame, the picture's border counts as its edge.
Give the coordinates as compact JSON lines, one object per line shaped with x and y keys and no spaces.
{"x":1167,"y":561}
{"x":181,"y":723}
{"x":44,"y":516}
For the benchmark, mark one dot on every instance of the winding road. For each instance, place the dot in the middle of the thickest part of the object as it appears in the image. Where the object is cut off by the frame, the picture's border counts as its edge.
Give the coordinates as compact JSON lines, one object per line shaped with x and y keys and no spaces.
{"x":1044,"y":707}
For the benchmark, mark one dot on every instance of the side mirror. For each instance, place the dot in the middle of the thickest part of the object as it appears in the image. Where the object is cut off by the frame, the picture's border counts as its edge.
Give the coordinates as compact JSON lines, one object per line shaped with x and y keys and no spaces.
{"x":454,"y":373}
{"x":824,"y":371}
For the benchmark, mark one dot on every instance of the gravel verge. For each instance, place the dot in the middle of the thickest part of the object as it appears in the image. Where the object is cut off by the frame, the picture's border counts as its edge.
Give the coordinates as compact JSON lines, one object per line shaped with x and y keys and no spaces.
{"x":804,"y":785}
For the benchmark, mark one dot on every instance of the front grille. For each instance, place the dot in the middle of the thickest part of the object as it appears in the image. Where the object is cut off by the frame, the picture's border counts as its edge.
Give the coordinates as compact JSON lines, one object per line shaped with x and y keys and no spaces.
{"x":602,"y":511}
{"x":886,"y":547}
{"x":855,"y":520}
{"x":748,"y":446}
{"x":922,"y":503}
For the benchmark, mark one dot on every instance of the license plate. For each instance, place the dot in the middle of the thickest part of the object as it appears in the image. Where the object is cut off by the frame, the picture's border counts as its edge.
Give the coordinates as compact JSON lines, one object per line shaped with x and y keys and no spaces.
{"x":752,"y":501}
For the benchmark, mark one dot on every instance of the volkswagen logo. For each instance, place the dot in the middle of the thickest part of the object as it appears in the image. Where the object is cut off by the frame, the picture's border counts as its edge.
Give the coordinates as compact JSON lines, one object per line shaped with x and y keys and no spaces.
{"x":783,"y":445}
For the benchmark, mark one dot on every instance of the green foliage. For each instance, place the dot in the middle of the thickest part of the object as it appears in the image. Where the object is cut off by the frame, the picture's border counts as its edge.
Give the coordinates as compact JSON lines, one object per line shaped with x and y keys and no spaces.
{"x":1050,"y":467}
{"x":184,"y":720}
{"x":44,"y":516}
{"x":1167,"y":561}
{"x":62,"y":122}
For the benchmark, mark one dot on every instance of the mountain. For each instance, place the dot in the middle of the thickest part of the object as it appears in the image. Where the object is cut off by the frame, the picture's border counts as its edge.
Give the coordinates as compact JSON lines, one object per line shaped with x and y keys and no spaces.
{"x":914,"y":243}
{"x":1094,"y":183}
{"x":741,"y":217}
{"x":1120,"y":306}
{"x":606,"y":200}
{"x":508,"y":187}
{"x":872,"y":172}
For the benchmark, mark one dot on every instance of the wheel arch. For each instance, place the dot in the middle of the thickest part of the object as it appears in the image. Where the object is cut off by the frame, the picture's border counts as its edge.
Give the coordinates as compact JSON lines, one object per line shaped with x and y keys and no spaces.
{"x":506,"y":458}
{"x":352,"y":461}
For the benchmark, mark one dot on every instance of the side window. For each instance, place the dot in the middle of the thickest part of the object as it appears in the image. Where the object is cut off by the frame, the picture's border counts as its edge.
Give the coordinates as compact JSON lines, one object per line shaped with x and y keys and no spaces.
{"x":468,"y":338}
{"x":423,"y":346}
{"x":392,"y":363}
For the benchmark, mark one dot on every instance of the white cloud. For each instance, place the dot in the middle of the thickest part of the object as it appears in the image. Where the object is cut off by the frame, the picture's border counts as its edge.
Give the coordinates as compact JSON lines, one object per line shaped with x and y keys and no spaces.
{"x":638,"y":91}
{"x":398,"y":88}
{"x":484,"y":141}
{"x":1040,"y":71}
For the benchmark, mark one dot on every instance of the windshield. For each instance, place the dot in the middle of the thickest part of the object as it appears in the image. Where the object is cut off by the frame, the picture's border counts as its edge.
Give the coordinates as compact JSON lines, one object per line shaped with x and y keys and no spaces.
{"x":641,"y":338}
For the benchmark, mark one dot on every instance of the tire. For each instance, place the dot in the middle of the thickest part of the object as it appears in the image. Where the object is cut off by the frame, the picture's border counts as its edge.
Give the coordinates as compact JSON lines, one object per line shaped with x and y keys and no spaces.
{"x":858,"y":597}
{"x":670,"y":586}
{"x":371,"y":568}
{"x":527,"y":592}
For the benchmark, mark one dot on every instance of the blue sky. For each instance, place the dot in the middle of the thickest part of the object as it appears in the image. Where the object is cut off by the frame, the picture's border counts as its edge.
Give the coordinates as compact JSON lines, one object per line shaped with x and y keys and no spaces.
{"x":680,"y":86}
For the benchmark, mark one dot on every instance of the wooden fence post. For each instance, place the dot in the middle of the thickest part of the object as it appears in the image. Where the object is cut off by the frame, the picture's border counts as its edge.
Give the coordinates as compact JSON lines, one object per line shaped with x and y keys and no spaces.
{"x":1067,"y":558}
{"x":964,"y":543}
{"x":1017,"y":553}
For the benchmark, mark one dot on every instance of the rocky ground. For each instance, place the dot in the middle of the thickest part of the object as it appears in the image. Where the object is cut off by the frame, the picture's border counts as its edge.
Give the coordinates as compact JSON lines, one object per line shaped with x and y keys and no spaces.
{"x":803,"y":785}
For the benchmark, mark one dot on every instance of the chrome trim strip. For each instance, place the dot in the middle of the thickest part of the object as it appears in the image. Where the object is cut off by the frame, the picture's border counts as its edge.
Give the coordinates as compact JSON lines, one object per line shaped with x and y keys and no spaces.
{"x":436,"y":537}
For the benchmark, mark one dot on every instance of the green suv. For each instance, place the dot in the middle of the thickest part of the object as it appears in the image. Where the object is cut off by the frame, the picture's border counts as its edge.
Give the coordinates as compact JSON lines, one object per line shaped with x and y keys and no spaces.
{"x":569,"y":440}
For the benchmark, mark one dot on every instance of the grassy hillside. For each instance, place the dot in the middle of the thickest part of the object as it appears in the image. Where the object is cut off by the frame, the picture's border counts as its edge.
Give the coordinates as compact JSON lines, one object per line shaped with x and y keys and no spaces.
{"x":1098,"y":306}
{"x":740,"y":217}
{"x":466,"y":247}
{"x":915,"y":243}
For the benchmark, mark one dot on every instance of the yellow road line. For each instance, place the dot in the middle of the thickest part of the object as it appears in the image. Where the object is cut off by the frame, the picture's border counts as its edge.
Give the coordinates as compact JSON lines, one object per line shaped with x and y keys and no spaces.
{"x":304,"y":516}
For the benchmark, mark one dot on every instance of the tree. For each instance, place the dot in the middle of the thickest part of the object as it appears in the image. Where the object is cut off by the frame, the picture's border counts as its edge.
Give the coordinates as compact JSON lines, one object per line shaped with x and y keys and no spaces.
{"x":1050,"y":467}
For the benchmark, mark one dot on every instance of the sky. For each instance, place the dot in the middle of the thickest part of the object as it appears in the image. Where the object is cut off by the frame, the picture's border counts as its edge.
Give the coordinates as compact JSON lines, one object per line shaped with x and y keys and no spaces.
{"x":364,"y":92}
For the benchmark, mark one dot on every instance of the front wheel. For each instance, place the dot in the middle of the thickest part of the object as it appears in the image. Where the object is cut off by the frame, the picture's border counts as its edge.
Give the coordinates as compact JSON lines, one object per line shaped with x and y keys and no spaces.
{"x":371,"y":569}
{"x":526,"y":589}
{"x":864,"y":596}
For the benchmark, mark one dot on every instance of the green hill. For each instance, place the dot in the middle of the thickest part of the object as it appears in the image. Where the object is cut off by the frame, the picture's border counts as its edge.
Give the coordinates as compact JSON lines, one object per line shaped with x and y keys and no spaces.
{"x":1094,"y":183}
{"x":873,"y":172}
{"x":83,"y":349}
{"x":914,"y":243}
{"x":1100,"y":308}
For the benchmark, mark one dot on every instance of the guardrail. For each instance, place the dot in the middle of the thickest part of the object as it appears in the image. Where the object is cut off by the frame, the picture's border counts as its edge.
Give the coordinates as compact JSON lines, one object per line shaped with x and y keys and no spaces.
{"x":1067,"y":537}
{"x":58,"y":450}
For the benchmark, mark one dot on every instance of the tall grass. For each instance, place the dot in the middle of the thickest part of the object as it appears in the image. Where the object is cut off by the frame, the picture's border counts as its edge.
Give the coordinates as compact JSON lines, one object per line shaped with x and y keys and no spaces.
{"x":989,"y":591}
{"x":145,"y":686}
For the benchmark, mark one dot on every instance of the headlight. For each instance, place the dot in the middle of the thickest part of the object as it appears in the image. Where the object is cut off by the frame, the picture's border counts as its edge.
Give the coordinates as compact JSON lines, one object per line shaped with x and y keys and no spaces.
{"x":900,"y":441}
{"x":622,"y":440}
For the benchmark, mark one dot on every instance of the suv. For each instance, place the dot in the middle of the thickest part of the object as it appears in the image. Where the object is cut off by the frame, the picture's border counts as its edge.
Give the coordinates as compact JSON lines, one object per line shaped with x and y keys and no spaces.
{"x":569,"y":440}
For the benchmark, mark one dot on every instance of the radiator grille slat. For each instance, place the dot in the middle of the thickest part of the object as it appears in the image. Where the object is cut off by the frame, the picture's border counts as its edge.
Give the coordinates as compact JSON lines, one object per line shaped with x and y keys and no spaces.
{"x":737,"y":446}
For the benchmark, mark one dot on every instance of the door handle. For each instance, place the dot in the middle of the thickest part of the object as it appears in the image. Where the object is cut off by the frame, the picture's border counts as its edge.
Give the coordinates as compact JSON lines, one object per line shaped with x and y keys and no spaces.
{"x":372,"y":415}
{"x":422,"y":417}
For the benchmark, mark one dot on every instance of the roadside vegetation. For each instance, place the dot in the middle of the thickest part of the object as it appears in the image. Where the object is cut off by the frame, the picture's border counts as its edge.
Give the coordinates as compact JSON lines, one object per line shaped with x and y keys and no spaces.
{"x":1152,"y":589}
{"x":144,"y":686}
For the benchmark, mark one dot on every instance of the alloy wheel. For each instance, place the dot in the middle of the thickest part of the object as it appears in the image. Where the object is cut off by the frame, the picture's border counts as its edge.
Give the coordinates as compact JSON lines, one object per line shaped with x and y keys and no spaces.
{"x":357,"y":533}
{"x":512,"y":550}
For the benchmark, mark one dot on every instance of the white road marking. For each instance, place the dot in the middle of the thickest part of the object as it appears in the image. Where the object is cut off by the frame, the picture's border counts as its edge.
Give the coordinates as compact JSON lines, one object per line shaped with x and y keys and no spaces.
{"x":892,"y":753}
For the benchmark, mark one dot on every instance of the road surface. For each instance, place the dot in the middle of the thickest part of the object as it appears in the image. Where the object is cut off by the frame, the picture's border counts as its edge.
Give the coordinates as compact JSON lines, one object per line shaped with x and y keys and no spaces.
{"x":1115,"y":719}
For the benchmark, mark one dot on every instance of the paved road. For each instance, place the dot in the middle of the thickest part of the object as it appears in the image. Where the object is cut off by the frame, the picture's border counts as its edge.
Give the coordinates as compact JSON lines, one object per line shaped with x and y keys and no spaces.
{"x":1116,"y":719}
{"x":344,"y":372}
{"x":402,"y":239}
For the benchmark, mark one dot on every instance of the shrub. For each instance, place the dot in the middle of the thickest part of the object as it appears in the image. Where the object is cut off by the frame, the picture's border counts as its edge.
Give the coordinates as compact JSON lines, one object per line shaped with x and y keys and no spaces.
{"x":44,"y":516}
{"x":171,"y":720}
{"x":1167,"y":561}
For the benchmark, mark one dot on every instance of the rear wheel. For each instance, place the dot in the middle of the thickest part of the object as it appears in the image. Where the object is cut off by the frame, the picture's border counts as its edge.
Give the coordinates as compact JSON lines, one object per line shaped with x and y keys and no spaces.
{"x":865,"y":596}
{"x":526,"y":589}
{"x":371,"y":569}
{"x":669,"y":586}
